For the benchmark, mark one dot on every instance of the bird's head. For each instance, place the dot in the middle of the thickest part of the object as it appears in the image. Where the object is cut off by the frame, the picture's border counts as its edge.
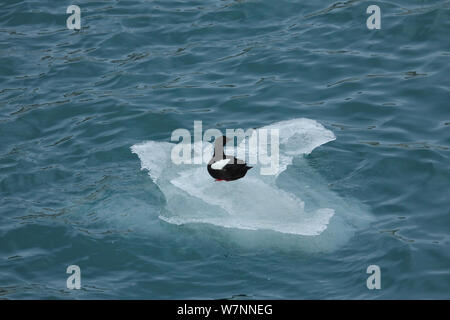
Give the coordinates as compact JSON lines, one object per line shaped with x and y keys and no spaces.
{"x":219,"y":145}
{"x":221,"y":141}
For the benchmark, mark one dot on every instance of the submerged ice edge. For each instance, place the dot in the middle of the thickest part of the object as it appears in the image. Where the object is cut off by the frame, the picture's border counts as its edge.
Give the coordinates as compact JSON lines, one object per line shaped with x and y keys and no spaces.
{"x":291,"y":229}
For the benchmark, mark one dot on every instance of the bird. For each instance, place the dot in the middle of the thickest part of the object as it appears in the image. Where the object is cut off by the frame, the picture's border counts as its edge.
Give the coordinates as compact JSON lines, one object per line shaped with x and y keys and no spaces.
{"x":225,"y":168}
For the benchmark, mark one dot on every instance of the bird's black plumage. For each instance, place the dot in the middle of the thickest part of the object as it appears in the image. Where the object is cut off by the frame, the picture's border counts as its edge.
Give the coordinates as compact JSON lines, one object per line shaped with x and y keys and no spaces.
{"x":234,"y":169}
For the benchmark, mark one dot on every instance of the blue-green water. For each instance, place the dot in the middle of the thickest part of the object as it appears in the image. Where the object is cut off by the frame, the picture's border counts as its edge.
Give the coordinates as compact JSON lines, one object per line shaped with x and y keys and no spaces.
{"x":73,"y":103}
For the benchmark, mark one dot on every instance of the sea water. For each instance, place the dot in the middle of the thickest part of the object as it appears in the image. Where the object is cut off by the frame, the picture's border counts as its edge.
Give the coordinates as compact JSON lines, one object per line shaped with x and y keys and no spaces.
{"x":86,"y":118}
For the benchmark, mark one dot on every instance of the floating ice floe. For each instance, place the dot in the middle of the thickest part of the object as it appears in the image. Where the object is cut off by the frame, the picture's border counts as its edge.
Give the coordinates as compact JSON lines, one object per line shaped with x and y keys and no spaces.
{"x":274,"y":203}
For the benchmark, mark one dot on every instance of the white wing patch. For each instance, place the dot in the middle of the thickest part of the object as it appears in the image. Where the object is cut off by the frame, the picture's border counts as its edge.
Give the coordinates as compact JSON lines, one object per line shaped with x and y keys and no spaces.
{"x":218,"y":165}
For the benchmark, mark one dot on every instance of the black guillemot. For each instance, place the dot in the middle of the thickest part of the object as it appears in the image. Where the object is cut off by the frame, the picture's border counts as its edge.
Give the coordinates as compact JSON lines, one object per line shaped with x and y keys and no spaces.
{"x":225,"y":168}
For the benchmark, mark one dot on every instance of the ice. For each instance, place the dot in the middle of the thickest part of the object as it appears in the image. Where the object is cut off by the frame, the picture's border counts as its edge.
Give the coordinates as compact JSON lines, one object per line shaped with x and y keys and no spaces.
{"x":256,"y":202}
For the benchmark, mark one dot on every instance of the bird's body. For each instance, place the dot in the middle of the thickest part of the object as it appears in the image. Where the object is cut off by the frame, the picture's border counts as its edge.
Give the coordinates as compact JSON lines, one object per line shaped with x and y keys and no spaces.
{"x":227,"y":168}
